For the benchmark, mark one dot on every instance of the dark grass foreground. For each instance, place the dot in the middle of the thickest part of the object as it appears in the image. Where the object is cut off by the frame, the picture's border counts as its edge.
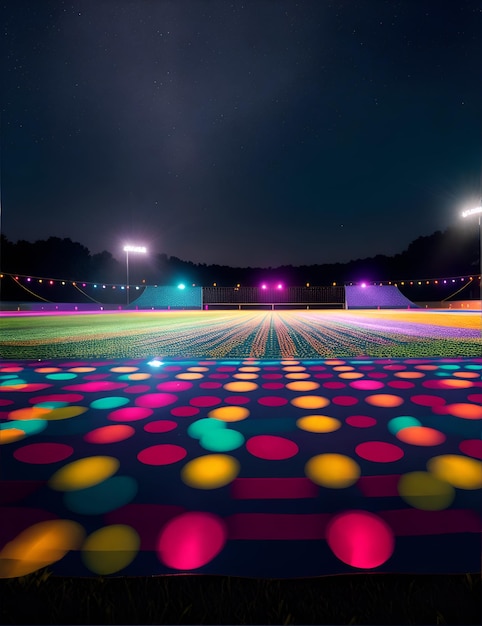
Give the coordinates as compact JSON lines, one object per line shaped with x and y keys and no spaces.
{"x":40,"y":598}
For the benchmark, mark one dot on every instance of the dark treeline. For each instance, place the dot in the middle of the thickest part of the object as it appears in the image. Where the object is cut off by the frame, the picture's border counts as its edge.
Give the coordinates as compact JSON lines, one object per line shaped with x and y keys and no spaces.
{"x":454,"y":252}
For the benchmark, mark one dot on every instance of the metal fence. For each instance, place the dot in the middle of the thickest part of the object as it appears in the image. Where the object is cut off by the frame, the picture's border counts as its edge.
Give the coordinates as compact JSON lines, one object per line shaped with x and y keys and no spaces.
{"x":273,"y":297}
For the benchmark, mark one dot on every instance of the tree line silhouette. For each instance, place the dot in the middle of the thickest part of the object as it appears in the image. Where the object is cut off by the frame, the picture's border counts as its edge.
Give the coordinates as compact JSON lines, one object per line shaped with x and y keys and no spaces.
{"x":450,"y":253}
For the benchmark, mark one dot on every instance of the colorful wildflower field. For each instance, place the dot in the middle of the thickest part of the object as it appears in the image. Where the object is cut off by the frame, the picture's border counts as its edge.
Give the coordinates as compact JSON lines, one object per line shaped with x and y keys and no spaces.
{"x":242,"y":334}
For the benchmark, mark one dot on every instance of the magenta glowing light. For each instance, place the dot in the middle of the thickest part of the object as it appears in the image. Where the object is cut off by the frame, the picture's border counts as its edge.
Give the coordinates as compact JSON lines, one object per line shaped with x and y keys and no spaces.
{"x":264,"y":286}
{"x":191,"y":540}
{"x":279,"y":286}
{"x":363,"y":285}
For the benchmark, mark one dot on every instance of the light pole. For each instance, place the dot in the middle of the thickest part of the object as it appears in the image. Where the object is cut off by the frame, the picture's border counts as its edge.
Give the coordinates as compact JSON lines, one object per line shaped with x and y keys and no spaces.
{"x":468,"y":213}
{"x":129,"y":248}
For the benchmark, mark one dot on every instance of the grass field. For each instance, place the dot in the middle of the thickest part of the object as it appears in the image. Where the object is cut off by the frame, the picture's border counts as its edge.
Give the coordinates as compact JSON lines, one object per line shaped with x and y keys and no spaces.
{"x":358,"y":599}
{"x":241,"y":334}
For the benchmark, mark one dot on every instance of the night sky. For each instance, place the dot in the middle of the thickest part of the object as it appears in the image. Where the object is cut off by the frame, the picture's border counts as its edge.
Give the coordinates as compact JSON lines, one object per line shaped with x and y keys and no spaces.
{"x":256,"y":133}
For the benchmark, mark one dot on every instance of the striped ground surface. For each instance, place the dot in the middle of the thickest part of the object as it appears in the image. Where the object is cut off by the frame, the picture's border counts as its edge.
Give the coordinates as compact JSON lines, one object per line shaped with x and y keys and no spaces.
{"x":242,"y":334}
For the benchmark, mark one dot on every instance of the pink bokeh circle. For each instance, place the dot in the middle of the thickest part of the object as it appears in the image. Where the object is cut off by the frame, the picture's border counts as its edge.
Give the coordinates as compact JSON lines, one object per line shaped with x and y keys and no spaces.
{"x":191,"y":540}
{"x":155,"y":400}
{"x":360,"y":539}
{"x":379,"y":451}
{"x":162,"y":454}
{"x":271,"y":447}
{"x":43,"y":453}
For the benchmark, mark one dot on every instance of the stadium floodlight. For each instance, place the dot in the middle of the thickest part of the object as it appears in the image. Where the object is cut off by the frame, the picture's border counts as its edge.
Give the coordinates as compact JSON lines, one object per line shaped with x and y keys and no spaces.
{"x":137,"y":250}
{"x":468,"y":213}
{"x":475,"y":211}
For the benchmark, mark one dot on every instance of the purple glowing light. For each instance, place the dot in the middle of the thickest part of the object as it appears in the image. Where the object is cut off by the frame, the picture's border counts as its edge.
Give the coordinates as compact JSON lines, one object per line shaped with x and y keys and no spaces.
{"x":264,"y":286}
{"x":279,"y":286}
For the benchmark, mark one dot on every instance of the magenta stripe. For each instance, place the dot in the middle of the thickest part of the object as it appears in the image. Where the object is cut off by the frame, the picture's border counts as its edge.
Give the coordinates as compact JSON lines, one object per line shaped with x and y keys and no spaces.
{"x":406,"y":522}
{"x":282,"y":526}
{"x":293,"y":527}
{"x":273,"y":488}
{"x":379,"y":486}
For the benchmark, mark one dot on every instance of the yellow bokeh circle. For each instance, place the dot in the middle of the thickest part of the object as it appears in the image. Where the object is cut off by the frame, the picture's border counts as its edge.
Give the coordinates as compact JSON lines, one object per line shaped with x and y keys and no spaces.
{"x":308,"y":385}
{"x":210,"y":471}
{"x":52,"y":414}
{"x":246,"y":376}
{"x":318,"y":423}
{"x":189,"y":376}
{"x":425,"y":491}
{"x":453,"y":383}
{"x":29,"y":413}
{"x":409,"y":374}
{"x":466,"y":374}
{"x":139,"y":376}
{"x":459,"y":471}
{"x":240,"y":387}
{"x":229,"y":413}
{"x":336,"y":471}
{"x":298,"y":376}
{"x":110,"y":549}
{"x":310,"y":402}
{"x":384,"y":400}
{"x":10,"y":435}
{"x":84,"y":473}
{"x":65,"y":413}
{"x":38,"y":546}
{"x":351,"y":375}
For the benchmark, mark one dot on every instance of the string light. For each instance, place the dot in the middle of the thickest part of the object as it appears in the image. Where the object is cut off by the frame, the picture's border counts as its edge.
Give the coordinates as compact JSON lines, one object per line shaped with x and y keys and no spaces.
{"x":405,"y":282}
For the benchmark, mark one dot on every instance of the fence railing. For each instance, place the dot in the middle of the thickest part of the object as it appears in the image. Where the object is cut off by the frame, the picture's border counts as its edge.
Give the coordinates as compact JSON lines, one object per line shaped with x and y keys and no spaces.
{"x":289,"y":296}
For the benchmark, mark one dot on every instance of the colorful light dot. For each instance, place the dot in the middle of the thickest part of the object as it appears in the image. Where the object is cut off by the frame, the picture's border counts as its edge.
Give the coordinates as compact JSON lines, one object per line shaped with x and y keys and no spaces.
{"x":210,"y":471}
{"x":191,"y":540}
{"x":332,"y":470}
{"x":360,"y":539}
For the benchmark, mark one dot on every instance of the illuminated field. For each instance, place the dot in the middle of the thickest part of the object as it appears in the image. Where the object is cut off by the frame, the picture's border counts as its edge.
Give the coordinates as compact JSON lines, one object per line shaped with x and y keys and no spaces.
{"x":258,"y":444}
{"x":242,"y":334}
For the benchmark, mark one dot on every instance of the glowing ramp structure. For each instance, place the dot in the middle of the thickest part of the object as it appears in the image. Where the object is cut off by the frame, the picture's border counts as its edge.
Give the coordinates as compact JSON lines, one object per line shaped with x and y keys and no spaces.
{"x":376,"y":297}
{"x":162,"y":297}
